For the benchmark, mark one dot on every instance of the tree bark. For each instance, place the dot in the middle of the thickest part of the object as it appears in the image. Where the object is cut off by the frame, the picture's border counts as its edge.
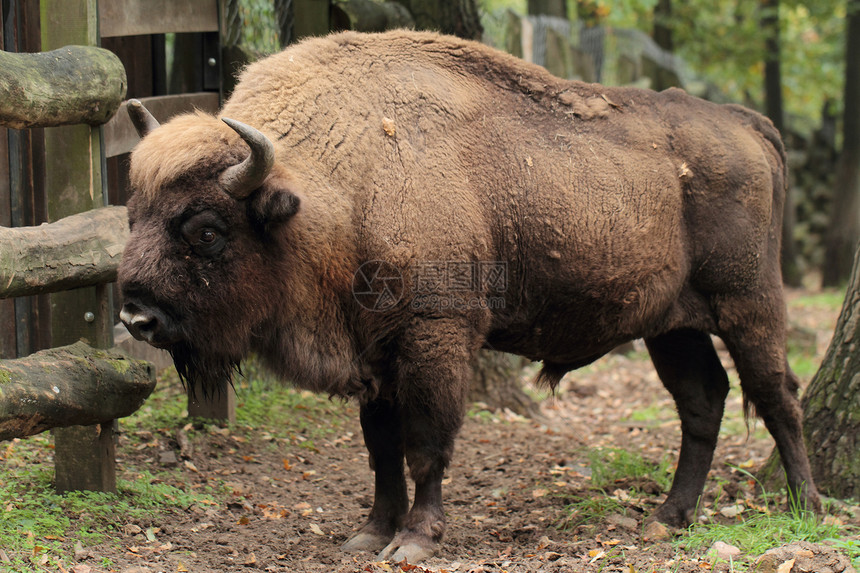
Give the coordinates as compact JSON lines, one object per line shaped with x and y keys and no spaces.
{"x":496,"y":383}
{"x":369,"y":16}
{"x":71,"y":85}
{"x":557,"y":8}
{"x":844,"y":230}
{"x":831,"y":403}
{"x":460,"y":18}
{"x":73,"y":385}
{"x":76,"y":251}
{"x":791,"y":274}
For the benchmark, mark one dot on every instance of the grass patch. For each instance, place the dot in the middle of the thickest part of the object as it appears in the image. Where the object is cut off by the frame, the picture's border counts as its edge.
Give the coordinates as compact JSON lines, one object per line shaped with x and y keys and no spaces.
{"x":589,"y":511}
{"x":826,"y":300}
{"x":40,"y":527}
{"x":609,"y":465}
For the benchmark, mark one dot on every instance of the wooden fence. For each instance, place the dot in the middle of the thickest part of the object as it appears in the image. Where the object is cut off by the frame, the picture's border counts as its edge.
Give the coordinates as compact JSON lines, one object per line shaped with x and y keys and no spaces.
{"x":64,"y":140}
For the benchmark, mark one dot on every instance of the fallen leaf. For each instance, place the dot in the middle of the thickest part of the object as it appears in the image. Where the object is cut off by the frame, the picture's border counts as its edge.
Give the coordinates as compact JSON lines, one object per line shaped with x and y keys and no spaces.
{"x":316,"y":529}
{"x":287,"y":465}
{"x":539,"y":492}
{"x":180,"y":568}
{"x":786,"y":566}
{"x":150,"y":535}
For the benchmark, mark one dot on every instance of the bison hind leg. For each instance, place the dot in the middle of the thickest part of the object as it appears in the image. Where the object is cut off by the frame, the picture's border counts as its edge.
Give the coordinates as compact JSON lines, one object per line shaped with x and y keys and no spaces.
{"x":754,"y":333}
{"x":690,"y":369}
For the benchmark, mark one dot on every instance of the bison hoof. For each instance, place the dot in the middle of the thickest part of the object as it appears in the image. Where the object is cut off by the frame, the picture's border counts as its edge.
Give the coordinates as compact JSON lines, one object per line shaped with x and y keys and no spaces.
{"x":413,"y":550}
{"x":673,"y":516}
{"x":362,"y":541}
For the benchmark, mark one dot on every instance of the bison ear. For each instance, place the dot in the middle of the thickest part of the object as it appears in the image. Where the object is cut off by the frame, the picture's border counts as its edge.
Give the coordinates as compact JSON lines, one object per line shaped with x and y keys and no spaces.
{"x":274,"y":204}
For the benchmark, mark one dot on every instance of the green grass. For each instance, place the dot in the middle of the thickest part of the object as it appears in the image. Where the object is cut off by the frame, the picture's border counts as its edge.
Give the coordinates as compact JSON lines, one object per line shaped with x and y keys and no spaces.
{"x":609,"y":465}
{"x":592,"y":511}
{"x":828,"y":300}
{"x":41,"y":527}
{"x":760,"y":530}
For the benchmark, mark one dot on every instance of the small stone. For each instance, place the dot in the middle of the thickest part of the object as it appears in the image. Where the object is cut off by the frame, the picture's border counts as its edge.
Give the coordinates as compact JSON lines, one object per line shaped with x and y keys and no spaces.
{"x":731,"y":511}
{"x":622,"y":522}
{"x":80,"y":552}
{"x":724,"y":551}
{"x":656,"y":531}
{"x":168,"y":458}
{"x":130,"y":529}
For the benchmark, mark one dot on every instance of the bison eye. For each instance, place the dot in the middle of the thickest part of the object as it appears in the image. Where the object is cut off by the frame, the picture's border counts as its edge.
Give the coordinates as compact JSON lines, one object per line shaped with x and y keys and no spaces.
{"x":205,"y":233}
{"x":207,"y":236}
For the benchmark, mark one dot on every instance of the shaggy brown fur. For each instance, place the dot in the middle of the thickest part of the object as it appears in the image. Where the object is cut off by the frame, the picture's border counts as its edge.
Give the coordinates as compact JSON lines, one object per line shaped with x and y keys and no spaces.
{"x":494,"y":205}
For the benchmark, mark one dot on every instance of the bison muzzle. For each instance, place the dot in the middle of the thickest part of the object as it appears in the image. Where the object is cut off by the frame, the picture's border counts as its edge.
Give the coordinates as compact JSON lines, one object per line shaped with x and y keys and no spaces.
{"x":373,"y":209}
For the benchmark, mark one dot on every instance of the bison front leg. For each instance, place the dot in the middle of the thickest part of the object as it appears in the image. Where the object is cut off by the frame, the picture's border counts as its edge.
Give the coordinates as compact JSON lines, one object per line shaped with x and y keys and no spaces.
{"x":432,"y":382}
{"x":690,"y":369}
{"x":380,"y":423}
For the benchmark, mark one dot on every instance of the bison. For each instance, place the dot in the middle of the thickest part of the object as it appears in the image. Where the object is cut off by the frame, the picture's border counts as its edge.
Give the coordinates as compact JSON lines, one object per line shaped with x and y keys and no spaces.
{"x":373,"y":209}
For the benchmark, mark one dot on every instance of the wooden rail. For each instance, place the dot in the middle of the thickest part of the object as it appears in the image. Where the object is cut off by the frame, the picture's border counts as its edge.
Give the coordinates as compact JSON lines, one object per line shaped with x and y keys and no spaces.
{"x":68,"y":86}
{"x":76,"y":251}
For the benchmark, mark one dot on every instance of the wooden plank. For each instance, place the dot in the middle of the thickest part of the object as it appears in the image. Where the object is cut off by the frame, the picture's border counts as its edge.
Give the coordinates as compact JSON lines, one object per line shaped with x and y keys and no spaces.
{"x":120,"y":135}
{"x":135,"y":17}
{"x":218,"y":405}
{"x":84,"y":456}
{"x":7,"y":307}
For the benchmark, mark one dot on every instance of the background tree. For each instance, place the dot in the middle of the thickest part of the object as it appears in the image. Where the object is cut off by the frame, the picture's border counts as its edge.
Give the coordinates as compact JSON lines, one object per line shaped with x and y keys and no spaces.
{"x":832,"y":401}
{"x":791,"y":274}
{"x":844,"y":230}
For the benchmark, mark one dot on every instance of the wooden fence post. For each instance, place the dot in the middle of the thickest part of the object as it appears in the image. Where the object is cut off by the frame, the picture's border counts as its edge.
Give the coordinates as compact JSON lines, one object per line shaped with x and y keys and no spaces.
{"x":74,"y":156}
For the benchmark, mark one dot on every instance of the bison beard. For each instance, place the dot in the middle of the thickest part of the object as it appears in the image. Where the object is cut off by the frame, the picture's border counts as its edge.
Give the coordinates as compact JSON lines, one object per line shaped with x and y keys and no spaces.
{"x":197,"y":369}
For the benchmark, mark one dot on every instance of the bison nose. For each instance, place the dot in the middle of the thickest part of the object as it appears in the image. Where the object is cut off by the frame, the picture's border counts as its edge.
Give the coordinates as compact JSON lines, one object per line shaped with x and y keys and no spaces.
{"x":145,"y":324}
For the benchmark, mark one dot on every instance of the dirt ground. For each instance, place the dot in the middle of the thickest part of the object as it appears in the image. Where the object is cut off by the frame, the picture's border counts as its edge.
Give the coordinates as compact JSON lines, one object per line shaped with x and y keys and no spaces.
{"x":505,"y":494}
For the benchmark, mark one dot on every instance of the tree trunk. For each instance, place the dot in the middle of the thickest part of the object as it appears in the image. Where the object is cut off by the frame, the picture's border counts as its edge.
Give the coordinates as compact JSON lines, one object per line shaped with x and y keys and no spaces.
{"x":557,"y":8}
{"x":369,"y":16}
{"x":75,"y":84}
{"x":73,"y":385}
{"x":831,"y":403}
{"x":76,"y":251}
{"x":844,"y":230}
{"x":791,"y":274}
{"x":496,"y":383}
{"x":460,"y":17}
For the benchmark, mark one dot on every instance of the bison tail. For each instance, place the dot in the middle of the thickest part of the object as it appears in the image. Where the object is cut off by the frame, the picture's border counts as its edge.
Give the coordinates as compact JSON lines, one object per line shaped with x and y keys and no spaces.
{"x":551,"y":374}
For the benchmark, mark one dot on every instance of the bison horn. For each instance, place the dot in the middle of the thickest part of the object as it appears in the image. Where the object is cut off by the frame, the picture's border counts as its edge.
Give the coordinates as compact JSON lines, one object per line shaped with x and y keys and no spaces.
{"x":143,"y":121}
{"x":240,"y":180}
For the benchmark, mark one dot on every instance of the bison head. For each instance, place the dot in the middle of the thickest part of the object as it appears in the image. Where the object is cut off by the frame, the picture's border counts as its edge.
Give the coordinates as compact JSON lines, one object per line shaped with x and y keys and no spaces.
{"x":207,"y":215}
